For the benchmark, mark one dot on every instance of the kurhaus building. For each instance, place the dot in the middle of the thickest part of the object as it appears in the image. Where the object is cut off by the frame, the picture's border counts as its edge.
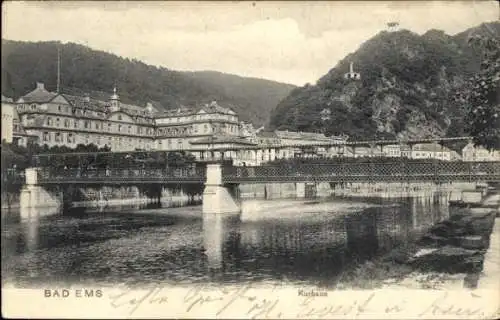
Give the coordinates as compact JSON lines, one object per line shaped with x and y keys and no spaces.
{"x":67,"y":120}
{"x":62,"y":119}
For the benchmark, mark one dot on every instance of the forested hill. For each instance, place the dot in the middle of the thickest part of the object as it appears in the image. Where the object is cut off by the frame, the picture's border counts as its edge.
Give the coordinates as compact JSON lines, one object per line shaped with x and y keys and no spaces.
{"x":406,"y":83}
{"x":84,"y":70}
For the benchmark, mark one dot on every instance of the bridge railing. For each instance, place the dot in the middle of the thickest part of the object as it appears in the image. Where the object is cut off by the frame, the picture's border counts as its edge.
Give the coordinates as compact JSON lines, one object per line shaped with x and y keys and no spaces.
{"x":366,"y":172}
{"x":189,"y":174}
{"x":337,"y":172}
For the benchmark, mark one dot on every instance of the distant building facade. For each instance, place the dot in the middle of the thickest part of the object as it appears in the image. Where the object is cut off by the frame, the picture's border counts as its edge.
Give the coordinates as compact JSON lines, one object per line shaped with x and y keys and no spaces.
{"x":431,"y":151}
{"x":177,"y":129}
{"x":392,"y":151}
{"x":8,"y":110}
{"x":478,"y":153}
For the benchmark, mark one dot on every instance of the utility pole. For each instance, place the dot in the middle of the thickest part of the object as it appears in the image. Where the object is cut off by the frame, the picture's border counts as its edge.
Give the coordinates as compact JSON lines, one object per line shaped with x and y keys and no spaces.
{"x":58,"y":68}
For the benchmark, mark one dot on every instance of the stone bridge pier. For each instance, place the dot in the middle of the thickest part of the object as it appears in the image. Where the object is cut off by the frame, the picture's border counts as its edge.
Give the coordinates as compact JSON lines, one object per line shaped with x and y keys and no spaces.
{"x":35,"y":196}
{"x":219,"y":198}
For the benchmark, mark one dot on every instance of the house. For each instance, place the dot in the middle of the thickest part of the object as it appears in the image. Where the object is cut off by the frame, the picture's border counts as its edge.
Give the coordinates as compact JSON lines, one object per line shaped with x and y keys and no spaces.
{"x":431,"y":151}
{"x":478,"y":153}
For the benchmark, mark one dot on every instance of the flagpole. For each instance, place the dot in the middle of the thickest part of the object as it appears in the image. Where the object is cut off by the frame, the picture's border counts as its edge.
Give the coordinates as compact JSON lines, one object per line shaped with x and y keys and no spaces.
{"x":58,"y":68}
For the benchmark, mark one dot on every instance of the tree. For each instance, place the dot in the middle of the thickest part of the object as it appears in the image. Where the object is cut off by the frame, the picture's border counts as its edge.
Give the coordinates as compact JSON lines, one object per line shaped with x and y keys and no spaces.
{"x":482,"y":95}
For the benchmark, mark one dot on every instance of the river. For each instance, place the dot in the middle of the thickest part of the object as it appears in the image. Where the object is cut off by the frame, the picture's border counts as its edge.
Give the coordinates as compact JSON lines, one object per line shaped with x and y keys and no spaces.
{"x":299,"y":242}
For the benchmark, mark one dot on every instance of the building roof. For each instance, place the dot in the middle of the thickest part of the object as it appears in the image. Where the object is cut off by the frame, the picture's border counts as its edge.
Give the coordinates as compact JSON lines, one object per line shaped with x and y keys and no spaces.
{"x":405,"y":147}
{"x":430,"y":147}
{"x":80,"y":102}
{"x":97,"y":102}
{"x":39,"y":95}
{"x":365,"y":150}
{"x":212,"y":107}
{"x":6,"y":99}
{"x":302,"y":135}
{"x":267,"y":134}
{"x":218,"y":139}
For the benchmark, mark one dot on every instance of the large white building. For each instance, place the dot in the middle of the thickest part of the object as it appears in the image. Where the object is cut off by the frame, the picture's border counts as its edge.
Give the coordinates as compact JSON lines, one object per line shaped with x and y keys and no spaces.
{"x":431,"y":151}
{"x":62,"y":119}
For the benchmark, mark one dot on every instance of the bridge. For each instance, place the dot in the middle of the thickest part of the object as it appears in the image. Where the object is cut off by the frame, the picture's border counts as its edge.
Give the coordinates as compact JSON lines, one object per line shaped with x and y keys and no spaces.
{"x":220,"y":175}
{"x":393,"y":171}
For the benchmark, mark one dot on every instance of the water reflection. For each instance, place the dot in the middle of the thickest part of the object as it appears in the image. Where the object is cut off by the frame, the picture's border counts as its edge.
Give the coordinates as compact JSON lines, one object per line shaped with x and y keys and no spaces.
{"x":171,"y":245}
{"x":219,"y":231}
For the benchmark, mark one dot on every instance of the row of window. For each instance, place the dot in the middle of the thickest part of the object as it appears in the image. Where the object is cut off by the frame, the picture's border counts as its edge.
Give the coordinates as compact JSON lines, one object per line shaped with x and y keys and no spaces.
{"x":98,"y":125}
{"x":194,"y":129}
{"x":197,"y":117}
{"x":71,"y":138}
{"x":430,"y":154}
{"x":85,"y":112}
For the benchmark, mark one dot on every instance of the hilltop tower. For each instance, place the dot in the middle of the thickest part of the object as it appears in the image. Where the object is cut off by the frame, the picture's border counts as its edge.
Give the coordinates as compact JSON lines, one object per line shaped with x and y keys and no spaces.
{"x":351,"y":75}
{"x":393,"y":26}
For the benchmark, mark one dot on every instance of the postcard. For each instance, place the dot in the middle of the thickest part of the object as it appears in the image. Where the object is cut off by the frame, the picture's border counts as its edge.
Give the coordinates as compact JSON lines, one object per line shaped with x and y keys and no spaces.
{"x":250,"y":160}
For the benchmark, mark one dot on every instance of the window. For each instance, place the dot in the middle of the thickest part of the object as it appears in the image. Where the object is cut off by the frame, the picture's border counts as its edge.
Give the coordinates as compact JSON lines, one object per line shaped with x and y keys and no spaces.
{"x":129,"y":129}
{"x":109,"y":126}
{"x":57,"y":122}
{"x":76,"y":123}
{"x":86,"y":124}
{"x":59,"y":108}
{"x":66,"y":123}
{"x":119,"y":128}
{"x":49,"y":121}
{"x":97,"y":125}
{"x":57,"y":137}
{"x":205,"y":128}
{"x":70,"y":138}
{"x":33,"y":107}
{"x":46,"y":136}
{"x":87,"y":139}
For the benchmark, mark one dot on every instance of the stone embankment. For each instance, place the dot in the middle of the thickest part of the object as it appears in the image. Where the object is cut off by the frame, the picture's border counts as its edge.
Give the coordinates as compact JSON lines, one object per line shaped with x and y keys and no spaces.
{"x":459,"y":244}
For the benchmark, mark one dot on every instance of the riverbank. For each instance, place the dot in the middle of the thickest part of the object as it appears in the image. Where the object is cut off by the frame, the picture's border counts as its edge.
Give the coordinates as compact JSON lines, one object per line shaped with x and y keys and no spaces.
{"x":459,"y":252}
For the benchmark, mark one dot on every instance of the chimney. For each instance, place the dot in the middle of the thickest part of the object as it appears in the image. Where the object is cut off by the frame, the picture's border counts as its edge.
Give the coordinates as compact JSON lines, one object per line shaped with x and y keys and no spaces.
{"x":40,"y":85}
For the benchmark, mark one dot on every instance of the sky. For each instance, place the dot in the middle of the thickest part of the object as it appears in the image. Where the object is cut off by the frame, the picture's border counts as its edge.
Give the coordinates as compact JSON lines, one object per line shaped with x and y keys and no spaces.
{"x":292,"y":42}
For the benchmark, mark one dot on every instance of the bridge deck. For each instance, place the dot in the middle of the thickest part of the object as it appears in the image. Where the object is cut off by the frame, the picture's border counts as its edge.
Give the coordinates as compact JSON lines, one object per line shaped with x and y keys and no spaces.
{"x":367,"y":172}
{"x":345,"y":172}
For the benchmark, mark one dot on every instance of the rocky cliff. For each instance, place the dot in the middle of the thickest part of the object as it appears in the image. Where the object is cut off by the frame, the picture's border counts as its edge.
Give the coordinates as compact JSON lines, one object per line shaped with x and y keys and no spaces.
{"x":404,"y":91}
